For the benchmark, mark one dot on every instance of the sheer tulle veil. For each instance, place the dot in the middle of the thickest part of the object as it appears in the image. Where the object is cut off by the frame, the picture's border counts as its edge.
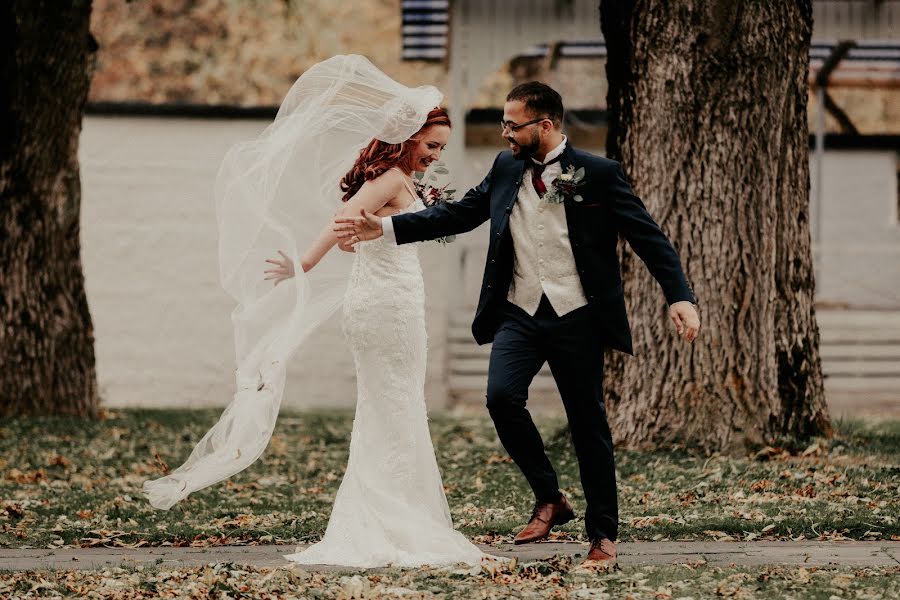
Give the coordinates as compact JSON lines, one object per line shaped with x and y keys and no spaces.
{"x":276,"y":192}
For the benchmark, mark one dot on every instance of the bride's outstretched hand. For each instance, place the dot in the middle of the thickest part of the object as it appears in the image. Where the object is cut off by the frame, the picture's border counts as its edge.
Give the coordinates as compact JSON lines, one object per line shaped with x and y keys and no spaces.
{"x":356,"y":229}
{"x":284,"y":268}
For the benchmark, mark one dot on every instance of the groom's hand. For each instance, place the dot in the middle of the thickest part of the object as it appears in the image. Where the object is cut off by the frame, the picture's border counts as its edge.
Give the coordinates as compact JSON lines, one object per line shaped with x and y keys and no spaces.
{"x":687,"y":321}
{"x":355,"y":229}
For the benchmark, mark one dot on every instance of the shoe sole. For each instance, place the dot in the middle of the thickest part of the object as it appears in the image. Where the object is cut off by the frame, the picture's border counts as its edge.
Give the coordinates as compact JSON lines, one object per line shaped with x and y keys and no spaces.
{"x":559,"y":520}
{"x":601,"y":564}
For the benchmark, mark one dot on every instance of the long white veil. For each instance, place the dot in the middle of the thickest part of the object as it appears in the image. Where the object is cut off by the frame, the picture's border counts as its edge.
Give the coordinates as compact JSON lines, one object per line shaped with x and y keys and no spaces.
{"x":276,"y":192}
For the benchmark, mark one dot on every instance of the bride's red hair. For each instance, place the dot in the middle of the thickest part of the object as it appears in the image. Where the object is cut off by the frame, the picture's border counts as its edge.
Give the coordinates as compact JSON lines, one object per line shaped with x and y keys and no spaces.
{"x":378,"y":156}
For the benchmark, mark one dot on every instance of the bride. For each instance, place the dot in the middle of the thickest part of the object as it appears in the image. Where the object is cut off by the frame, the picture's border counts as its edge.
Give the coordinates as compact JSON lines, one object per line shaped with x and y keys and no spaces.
{"x":390,"y":507}
{"x":342,"y":116}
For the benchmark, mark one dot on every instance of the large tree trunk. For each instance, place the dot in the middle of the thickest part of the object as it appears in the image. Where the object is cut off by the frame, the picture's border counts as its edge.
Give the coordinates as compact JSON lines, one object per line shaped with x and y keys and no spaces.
{"x":46,"y":334}
{"x":707,"y":113}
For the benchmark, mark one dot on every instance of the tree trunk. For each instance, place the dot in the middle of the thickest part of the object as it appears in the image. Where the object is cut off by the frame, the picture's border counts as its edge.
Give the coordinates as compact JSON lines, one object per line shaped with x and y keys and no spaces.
{"x":46,"y":334}
{"x":707,"y":113}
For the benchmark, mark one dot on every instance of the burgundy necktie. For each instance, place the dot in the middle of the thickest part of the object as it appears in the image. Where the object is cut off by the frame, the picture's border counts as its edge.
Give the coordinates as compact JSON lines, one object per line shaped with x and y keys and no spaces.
{"x":536,"y":171}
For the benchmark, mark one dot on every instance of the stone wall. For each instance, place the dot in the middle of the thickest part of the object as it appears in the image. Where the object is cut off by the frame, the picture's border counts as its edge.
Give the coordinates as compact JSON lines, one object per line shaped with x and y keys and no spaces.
{"x":872,"y":111}
{"x":249,"y":52}
{"x":244,"y":52}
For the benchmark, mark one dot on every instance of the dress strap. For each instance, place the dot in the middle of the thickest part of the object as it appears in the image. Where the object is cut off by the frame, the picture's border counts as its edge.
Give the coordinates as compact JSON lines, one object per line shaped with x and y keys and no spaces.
{"x":406,"y":183}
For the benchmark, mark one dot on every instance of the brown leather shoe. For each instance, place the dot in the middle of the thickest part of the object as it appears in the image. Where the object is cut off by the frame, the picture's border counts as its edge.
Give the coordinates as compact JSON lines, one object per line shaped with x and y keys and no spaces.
{"x":603,"y":551}
{"x":544,"y":516}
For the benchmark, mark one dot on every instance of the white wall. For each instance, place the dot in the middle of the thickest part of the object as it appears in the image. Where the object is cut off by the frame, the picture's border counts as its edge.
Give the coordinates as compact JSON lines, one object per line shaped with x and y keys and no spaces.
{"x":858,"y":253}
{"x":162,"y":324}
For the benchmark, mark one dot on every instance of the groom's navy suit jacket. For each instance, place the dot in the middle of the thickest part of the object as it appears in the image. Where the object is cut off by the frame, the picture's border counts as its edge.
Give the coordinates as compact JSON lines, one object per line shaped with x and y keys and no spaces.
{"x":608,"y":208}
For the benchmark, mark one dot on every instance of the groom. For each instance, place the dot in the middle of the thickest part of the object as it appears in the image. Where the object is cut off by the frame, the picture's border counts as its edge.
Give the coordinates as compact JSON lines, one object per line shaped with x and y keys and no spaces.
{"x":552,"y":292}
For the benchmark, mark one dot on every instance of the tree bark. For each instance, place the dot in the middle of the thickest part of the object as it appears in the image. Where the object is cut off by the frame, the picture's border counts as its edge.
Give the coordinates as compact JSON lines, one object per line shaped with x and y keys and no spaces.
{"x":46,"y":334}
{"x":707,"y":113}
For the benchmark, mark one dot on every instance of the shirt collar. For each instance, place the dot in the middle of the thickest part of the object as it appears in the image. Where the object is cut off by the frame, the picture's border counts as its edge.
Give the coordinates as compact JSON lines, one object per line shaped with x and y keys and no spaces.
{"x":553,"y":153}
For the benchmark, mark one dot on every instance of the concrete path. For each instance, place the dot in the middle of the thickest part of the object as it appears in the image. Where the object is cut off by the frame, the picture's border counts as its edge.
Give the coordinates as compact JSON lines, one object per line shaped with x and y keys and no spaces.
{"x":847,"y":554}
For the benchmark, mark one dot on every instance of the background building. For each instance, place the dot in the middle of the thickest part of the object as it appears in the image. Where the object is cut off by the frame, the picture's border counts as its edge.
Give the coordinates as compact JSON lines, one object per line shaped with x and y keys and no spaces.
{"x":179,"y":81}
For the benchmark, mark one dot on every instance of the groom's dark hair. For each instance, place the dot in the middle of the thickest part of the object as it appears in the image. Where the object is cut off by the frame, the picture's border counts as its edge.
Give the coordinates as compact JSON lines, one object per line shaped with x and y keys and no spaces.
{"x":540,"y":99}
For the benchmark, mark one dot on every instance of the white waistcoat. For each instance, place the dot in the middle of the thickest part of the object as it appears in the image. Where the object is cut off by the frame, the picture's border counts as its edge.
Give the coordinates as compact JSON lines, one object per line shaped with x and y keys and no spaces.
{"x":543,"y":262}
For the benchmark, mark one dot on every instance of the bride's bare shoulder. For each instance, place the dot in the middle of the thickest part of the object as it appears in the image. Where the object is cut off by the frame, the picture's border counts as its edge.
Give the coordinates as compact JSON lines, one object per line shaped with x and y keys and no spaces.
{"x":392,"y":178}
{"x":382,"y":191}
{"x":388,"y":183}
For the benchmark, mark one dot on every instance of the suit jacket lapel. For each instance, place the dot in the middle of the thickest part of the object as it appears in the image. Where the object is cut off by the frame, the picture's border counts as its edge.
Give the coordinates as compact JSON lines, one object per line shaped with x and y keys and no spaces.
{"x":512,"y":195}
{"x":567,"y":156}
{"x":565,"y":161}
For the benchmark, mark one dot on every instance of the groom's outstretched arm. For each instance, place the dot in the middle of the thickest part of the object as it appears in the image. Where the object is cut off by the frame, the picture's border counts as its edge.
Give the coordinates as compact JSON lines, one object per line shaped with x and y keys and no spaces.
{"x":646,"y":238}
{"x":447,"y":218}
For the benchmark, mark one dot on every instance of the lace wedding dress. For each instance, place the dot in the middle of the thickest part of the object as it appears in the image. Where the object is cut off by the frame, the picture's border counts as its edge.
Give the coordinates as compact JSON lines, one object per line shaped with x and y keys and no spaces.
{"x":390,"y":507}
{"x":273,"y":193}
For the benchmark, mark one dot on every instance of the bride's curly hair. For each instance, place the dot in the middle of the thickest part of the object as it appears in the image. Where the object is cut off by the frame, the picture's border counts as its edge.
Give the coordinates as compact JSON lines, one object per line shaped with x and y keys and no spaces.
{"x":378,"y":156}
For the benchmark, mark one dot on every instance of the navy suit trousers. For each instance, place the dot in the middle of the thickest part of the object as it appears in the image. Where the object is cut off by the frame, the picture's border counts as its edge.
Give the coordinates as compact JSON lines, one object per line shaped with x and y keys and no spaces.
{"x":573,"y":350}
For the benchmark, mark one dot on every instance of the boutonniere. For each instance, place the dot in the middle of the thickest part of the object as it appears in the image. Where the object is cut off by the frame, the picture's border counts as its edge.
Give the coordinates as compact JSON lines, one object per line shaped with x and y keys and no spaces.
{"x":566,"y":186}
{"x":432,"y":193}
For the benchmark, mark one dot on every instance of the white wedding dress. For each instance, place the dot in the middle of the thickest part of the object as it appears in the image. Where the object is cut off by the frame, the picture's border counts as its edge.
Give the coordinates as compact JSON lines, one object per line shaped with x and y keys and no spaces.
{"x":273,"y":193}
{"x":390,"y":508}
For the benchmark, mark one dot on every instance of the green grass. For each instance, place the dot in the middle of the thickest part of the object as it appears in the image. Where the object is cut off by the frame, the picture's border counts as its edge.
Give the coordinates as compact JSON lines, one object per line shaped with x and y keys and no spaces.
{"x":65,"y":482}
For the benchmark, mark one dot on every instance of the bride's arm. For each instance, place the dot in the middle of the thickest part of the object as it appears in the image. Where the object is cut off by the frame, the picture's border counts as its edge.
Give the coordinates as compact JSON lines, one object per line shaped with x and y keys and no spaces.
{"x":372,"y":196}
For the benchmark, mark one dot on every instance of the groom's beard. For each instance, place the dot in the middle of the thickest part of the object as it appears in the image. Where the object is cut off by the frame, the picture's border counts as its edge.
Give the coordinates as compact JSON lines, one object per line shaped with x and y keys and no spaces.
{"x":524,"y":149}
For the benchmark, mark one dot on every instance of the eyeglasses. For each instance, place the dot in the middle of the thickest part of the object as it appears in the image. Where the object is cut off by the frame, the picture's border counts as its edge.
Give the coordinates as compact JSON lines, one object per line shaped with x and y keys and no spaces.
{"x":512,"y":127}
